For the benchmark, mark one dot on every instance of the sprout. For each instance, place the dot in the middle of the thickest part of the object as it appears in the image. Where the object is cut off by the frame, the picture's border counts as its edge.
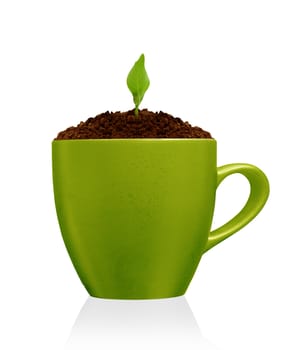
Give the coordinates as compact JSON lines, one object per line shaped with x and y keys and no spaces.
{"x":138,"y":82}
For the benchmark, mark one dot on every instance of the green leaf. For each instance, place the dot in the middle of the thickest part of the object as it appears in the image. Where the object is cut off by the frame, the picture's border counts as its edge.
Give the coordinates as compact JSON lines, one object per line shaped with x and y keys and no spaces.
{"x":138,"y":82}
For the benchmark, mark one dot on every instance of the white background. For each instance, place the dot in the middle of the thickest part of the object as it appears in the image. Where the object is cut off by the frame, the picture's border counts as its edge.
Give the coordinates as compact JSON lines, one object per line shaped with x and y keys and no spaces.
{"x":223,"y":65}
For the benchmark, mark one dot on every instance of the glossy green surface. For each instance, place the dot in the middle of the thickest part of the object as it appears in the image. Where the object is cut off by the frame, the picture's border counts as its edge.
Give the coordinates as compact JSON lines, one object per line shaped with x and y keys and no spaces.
{"x":135,"y":214}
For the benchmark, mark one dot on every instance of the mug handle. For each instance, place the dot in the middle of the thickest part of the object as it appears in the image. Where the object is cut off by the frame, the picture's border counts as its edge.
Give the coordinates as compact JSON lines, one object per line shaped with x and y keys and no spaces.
{"x":259,"y":192}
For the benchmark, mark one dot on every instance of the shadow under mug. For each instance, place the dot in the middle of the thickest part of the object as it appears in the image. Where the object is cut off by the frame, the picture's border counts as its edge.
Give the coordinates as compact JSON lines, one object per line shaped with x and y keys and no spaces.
{"x":136,"y":214}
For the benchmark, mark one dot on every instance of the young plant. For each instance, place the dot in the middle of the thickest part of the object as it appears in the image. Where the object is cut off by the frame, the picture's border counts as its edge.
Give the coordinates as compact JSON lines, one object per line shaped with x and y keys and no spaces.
{"x":138,"y":82}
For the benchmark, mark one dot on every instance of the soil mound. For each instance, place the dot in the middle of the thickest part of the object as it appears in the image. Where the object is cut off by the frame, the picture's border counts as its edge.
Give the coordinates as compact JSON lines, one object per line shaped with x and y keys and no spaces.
{"x":119,"y":125}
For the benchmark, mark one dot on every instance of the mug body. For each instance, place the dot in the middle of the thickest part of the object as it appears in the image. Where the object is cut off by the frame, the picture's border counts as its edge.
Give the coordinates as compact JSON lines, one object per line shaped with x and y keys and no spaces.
{"x":135,"y":214}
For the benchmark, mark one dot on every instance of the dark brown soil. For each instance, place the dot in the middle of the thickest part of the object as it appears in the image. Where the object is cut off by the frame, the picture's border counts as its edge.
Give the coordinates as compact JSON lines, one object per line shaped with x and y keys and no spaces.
{"x":121,"y":125}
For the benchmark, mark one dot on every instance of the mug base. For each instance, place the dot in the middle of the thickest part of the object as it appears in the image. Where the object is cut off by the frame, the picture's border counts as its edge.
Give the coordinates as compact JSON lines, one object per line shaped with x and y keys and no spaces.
{"x":137,"y":297}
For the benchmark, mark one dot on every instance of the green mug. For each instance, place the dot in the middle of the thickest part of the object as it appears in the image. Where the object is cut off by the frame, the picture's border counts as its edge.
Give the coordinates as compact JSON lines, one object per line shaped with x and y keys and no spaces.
{"x":135,"y":214}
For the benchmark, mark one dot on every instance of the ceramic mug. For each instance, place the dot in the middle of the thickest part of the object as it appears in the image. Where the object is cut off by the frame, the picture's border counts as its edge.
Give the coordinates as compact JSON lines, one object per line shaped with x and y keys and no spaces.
{"x":135,"y":214}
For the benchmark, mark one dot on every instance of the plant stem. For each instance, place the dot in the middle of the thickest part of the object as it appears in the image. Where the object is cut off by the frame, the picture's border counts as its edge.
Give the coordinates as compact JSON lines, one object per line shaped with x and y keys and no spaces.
{"x":136,"y":111}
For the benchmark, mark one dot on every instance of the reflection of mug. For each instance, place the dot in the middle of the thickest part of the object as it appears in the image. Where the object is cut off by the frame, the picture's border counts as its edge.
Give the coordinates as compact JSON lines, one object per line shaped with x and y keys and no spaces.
{"x":137,"y":324}
{"x":135,"y":214}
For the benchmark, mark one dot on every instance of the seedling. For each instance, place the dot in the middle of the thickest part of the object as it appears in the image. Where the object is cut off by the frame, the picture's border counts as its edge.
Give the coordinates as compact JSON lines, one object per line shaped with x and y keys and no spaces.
{"x":138,"y":82}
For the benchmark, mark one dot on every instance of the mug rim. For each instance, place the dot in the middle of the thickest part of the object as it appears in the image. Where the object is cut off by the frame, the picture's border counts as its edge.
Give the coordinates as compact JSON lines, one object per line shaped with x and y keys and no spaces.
{"x":138,"y":140}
